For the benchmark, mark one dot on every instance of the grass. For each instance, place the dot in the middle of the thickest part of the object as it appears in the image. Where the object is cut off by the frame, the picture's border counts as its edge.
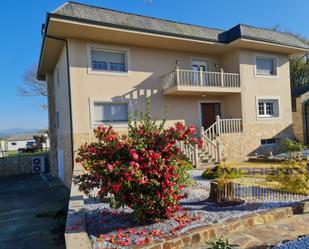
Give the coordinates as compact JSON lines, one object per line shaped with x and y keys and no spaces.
{"x":255,"y":164}
{"x":16,"y":153}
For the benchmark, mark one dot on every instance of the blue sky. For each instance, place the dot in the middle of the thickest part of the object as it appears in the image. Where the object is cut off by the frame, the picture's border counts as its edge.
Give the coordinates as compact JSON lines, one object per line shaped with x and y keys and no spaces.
{"x":20,"y":24}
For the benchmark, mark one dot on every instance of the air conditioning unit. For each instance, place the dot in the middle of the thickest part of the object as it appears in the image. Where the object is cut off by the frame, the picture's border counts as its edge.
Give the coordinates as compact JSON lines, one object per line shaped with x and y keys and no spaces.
{"x":38,"y":164}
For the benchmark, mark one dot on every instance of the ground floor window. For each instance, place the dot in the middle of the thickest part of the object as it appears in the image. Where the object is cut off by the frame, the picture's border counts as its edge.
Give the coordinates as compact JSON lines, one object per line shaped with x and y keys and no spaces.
{"x":268,"y":108}
{"x":110,"y":112}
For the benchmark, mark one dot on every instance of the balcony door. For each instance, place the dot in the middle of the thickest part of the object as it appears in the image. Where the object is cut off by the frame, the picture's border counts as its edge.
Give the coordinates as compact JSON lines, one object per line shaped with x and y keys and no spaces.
{"x":209,"y":111}
{"x":196,"y":66}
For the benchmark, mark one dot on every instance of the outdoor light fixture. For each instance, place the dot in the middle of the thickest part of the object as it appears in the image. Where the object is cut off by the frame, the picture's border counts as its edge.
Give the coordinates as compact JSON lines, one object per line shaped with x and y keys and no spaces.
{"x":203,"y":95}
{"x":216,"y":65}
{"x":177,"y":62}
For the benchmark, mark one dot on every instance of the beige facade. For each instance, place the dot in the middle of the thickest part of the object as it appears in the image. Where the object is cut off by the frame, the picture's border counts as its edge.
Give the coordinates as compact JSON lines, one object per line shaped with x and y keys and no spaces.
{"x":150,"y":58}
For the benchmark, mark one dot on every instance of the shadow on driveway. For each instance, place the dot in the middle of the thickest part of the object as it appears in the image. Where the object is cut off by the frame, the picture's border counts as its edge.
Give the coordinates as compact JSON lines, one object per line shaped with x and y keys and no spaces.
{"x":22,"y":198}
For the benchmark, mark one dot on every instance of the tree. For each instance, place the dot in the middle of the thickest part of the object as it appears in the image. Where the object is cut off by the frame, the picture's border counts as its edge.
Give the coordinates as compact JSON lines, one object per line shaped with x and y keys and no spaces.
{"x":31,"y":85}
{"x":299,"y":65}
{"x":299,"y":71}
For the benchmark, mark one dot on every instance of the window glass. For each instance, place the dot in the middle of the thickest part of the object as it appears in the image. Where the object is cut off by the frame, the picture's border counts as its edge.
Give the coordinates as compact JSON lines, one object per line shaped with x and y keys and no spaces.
{"x":265,"y":66}
{"x":268,"y":108}
{"x":110,"y":112}
{"x":108,"y":61}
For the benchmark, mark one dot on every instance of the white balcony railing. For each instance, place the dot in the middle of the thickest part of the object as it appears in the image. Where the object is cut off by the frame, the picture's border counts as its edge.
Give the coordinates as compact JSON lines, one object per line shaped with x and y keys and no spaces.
{"x":180,"y":77}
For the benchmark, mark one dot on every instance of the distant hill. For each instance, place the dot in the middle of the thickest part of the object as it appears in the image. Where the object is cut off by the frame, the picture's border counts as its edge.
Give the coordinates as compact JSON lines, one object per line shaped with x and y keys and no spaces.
{"x":16,"y":131}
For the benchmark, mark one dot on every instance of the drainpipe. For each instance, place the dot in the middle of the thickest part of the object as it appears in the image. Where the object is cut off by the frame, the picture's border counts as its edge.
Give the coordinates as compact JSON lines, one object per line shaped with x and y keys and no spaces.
{"x":69,"y":89}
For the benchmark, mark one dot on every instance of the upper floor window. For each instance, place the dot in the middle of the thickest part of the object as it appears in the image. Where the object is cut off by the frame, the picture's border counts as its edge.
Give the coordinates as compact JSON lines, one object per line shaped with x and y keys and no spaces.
{"x":268,"y":108}
{"x":265,"y":66}
{"x":110,"y":61}
{"x":110,"y":112}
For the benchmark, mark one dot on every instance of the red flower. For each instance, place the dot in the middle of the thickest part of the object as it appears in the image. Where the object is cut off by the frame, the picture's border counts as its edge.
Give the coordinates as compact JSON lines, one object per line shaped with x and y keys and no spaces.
{"x":116,"y":187}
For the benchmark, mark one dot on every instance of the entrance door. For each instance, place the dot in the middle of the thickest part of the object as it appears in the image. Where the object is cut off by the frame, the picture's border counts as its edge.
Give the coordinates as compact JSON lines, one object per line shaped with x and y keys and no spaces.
{"x":196,"y":65}
{"x":209,"y":113}
{"x":60,"y":164}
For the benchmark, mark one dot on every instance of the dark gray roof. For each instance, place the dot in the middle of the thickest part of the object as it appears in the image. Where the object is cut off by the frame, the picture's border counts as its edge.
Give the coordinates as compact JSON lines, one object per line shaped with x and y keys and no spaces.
{"x":298,"y":91}
{"x":98,"y":15}
{"x":22,"y":137}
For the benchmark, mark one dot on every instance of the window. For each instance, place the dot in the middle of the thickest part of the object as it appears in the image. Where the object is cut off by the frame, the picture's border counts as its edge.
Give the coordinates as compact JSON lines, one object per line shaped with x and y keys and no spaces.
{"x":268,"y":108}
{"x":265,"y":66}
{"x":110,"y":112}
{"x":265,"y":142}
{"x":113,"y":61}
{"x":57,"y":120}
{"x":13,"y":143}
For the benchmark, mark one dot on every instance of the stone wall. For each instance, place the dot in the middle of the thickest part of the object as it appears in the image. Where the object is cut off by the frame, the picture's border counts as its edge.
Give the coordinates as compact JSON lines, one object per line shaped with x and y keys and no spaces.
{"x":298,"y":123}
{"x":52,"y":125}
{"x":15,"y":165}
{"x":237,"y":147}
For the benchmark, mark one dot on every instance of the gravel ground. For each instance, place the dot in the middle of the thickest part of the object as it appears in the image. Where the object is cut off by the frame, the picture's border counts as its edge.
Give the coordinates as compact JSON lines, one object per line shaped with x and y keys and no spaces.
{"x":300,"y":243}
{"x":119,"y":227}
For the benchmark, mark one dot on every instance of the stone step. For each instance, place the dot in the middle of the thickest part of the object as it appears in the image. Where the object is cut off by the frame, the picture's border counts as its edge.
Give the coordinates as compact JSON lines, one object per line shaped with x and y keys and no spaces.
{"x":203,"y":166}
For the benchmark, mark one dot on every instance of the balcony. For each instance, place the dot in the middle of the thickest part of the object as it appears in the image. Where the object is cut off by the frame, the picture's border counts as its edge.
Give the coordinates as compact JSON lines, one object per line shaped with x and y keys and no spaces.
{"x":189,"y":82}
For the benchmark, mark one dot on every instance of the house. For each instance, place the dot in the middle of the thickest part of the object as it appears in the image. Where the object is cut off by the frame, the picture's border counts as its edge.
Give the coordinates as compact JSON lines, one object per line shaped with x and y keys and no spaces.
{"x":300,"y":109}
{"x":15,"y":142}
{"x":101,"y":64}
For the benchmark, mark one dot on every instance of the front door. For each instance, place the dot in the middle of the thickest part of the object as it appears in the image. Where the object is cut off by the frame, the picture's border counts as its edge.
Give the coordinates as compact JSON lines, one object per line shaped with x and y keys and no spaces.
{"x":209,"y":113}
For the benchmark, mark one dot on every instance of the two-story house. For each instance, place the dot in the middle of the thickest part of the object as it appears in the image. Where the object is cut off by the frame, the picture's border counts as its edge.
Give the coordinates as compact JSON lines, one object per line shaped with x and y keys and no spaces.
{"x":102,"y":64}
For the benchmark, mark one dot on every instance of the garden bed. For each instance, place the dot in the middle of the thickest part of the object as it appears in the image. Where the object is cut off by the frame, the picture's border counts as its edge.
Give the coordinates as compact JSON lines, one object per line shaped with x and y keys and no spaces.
{"x":109,"y":228}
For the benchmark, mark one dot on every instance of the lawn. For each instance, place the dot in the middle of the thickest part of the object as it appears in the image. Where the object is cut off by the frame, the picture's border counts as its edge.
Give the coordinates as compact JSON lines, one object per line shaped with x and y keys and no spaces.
{"x":17,"y":153}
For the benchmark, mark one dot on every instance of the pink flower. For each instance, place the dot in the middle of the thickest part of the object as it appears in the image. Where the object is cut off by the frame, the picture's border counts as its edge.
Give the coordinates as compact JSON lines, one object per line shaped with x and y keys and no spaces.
{"x":110,"y":168}
{"x":134,"y":155}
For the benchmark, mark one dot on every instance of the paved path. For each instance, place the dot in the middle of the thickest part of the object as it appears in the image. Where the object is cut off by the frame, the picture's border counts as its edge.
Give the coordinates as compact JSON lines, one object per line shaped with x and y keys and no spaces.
{"x":271,"y":234}
{"x":21,"y":199}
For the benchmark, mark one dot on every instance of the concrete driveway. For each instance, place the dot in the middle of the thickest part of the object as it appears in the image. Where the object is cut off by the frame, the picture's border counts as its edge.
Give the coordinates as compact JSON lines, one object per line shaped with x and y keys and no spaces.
{"x":22,"y":198}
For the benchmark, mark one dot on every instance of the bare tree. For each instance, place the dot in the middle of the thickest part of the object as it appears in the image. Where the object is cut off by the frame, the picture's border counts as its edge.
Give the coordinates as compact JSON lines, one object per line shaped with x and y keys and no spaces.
{"x":31,"y":85}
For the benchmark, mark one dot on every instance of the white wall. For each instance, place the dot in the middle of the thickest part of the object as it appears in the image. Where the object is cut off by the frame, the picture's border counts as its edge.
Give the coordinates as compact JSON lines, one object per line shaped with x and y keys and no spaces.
{"x":22,"y":144}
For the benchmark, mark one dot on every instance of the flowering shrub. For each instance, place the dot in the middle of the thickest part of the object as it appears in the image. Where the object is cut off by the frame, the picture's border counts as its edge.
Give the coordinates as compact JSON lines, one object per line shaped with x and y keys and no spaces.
{"x":143,"y":170}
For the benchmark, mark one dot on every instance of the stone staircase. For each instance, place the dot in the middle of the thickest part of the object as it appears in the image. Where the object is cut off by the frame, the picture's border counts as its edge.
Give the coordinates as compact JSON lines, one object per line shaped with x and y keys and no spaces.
{"x":211,"y":152}
{"x":205,"y":160}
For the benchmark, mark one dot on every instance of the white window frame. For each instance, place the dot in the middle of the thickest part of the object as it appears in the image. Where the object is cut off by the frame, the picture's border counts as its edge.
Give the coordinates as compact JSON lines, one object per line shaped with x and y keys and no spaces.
{"x":268,"y":99}
{"x":276,"y":67}
{"x":115,"y":49}
{"x":94,"y":124}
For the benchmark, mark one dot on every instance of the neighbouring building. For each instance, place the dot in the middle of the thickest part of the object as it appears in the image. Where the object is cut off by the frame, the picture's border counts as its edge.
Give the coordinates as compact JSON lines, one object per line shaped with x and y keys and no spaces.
{"x":102,"y":64}
{"x":300,"y":109}
{"x":15,"y":142}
